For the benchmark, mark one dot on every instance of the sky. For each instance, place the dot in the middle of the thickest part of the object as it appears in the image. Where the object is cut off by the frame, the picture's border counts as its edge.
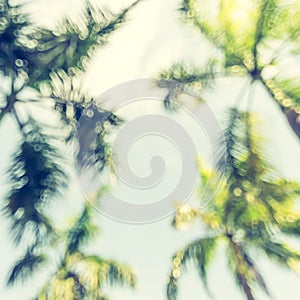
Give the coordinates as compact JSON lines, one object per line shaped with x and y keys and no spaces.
{"x":150,"y":41}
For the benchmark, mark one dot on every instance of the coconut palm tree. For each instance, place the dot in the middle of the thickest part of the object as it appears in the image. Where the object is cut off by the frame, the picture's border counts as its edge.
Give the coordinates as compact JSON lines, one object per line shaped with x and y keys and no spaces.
{"x":257,"y":41}
{"x":78,"y":275}
{"x":39,"y":67}
{"x":252,"y":211}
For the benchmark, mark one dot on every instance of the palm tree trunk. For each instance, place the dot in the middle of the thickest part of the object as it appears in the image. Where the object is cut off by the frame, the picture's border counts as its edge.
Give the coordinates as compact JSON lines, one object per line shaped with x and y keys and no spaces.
{"x":240,"y":270}
{"x":246,"y":287}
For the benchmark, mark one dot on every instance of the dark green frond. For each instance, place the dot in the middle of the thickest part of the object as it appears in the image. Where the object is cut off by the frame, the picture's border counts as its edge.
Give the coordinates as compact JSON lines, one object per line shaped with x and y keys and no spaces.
{"x":93,"y":128}
{"x":25,"y":267}
{"x":120,"y":274}
{"x":36,"y":178}
{"x":74,"y":43}
{"x":243,"y":146}
{"x":81,"y":231}
{"x":117,"y":20}
{"x":290,"y":225}
{"x":13,"y":55}
{"x":282,"y":254}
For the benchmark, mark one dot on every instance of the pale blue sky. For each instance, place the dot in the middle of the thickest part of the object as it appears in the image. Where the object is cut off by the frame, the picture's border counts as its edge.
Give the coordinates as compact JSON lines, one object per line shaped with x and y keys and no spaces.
{"x":150,"y":41}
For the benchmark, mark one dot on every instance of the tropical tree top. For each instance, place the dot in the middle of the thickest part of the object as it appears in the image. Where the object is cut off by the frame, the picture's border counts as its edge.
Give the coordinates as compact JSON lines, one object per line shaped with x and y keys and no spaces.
{"x":39,"y":67}
{"x":80,"y":275}
{"x":258,"y":40}
{"x":253,"y":211}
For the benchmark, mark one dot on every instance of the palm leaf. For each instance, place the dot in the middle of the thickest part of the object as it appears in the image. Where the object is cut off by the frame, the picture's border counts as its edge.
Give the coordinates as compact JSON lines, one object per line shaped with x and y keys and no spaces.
{"x":290,"y":224}
{"x":36,"y":178}
{"x":13,"y":55}
{"x":184,"y":215}
{"x":25,"y":267}
{"x":109,"y":271}
{"x":280,"y":253}
{"x":81,"y":231}
{"x":199,"y":253}
{"x":184,"y":79}
{"x":251,"y":38}
{"x":74,"y":42}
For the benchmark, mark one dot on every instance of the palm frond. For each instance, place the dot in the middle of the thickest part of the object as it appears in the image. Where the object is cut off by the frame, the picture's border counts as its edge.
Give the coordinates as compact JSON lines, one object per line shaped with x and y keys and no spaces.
{"x":198,"y":253}
{"x":243,"y":146}
{"x":81,"y":231}
{"x":195,"y":13}
{"x":184,"y":79}
{"x":184,"y":215}
{"x":247,"y":170}
{"x":13,"y":55}
{"x":25,"y":267}
{"x":245,"y":34}
{"x":286,"y":93}
{"x":78,"y":289}
{"x":92,"y":131}
{"x":73,"y":43}
{"x":282,"y":254}
{"x":182,"y":73}
{"x":120,"y":274}
{"x":271,"y":15}
{"x":290,"y":224}
{"x":69,"y":95}
{"x":83,"y":120}
{"x":36,"y":178}
{"x":109,"y":271}
{"x":64,"y":285}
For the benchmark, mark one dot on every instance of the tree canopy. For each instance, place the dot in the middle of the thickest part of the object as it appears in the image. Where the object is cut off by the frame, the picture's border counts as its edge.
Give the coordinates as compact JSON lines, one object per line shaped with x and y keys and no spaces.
{"x":253,"y":209}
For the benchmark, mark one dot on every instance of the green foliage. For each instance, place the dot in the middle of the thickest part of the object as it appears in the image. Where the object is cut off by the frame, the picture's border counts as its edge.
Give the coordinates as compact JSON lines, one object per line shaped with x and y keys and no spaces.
{"x":184,"y":79}
{"x":49,"y":63}
{"x":253,"y":211}
{"x":184,"y":74}
{"x":82,"y":230}
{"x":38,"y":52}
{"x":25,"y":267}
{"x":82,"y":276}
{"x":36,"y":177}
{"x":110,"y":271}
{"x":12,"y":52}
{"x":199,"y":253}
{"x":95,"y":125}
{"x":83,"y":120}
{"x":251,"y":39}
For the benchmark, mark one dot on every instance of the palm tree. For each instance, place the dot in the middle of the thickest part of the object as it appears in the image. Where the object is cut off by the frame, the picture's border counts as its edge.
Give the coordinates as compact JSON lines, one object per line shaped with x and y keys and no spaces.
{"x":39,"y":66}
{"x":78,"y":275}
{"x":253,"y":211}
{"x":257,"y":41}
